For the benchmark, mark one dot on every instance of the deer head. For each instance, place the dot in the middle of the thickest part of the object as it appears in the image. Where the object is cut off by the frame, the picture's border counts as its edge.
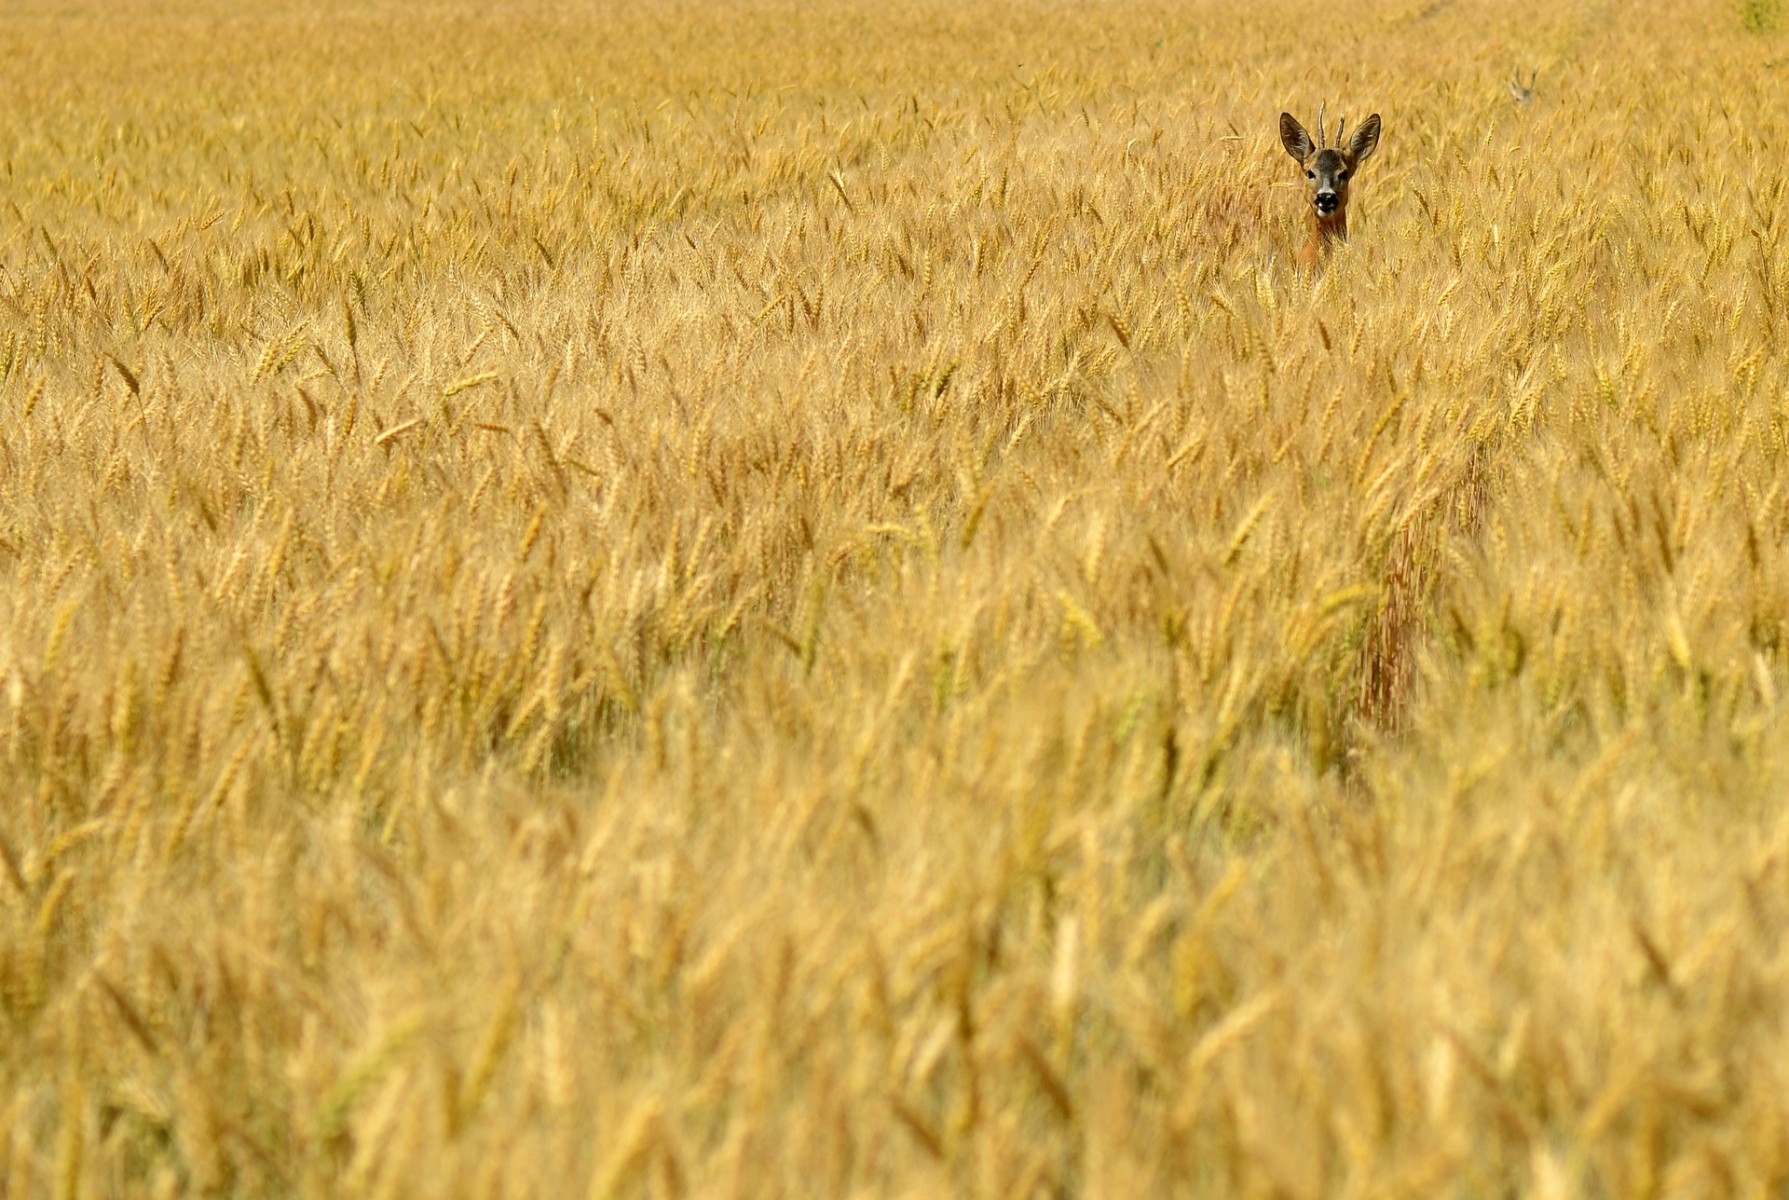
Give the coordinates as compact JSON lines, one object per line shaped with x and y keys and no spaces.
{"x":1328,"y":169}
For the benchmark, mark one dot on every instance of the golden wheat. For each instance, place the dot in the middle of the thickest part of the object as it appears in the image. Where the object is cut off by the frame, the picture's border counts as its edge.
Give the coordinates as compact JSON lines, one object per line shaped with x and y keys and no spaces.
{"x":801,"y":599}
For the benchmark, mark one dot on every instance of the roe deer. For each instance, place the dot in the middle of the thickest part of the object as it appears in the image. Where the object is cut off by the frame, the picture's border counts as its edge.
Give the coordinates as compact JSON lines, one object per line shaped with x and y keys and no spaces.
{"x":1328,"y":168}
{"x":1523,"y":93}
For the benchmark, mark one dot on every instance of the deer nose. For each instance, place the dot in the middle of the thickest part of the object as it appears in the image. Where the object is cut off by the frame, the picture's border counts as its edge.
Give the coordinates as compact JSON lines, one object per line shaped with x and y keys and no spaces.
{"x":1326,"y":203}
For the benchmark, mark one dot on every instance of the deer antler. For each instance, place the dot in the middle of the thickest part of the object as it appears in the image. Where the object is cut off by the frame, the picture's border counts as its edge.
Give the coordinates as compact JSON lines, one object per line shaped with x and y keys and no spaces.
{"x":1341,"y":125}
{"x":1322,"y":133}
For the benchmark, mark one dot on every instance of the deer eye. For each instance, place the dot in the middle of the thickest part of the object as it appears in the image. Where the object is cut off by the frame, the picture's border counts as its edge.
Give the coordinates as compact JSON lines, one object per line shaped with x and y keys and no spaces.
{"x":1310,"y":174}
{"x":1343,"y":177}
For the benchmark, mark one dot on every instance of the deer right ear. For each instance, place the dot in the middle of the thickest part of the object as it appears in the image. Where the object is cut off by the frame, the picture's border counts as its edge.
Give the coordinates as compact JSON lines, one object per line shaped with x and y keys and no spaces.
{"x":1294,"y":138}
{"x":1366,"y":139}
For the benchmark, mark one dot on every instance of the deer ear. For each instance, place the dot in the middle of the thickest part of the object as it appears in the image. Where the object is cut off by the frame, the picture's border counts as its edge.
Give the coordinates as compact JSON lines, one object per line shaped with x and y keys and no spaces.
{"x":1365,"y":139}
{"x":1294,"y":138}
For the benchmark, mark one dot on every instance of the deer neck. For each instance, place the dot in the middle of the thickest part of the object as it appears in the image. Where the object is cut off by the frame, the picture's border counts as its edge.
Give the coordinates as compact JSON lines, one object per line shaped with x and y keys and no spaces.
{"x":1333,"y":228}
{"x":1325,"y":233}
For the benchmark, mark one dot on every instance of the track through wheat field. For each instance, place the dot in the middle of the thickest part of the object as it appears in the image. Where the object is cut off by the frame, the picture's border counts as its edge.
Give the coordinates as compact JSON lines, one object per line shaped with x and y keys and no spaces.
{"x":800,"y":599}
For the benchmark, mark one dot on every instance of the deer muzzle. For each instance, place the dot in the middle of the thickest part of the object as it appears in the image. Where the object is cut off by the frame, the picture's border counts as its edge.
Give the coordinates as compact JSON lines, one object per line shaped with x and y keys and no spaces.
{"x":1327,"y":202}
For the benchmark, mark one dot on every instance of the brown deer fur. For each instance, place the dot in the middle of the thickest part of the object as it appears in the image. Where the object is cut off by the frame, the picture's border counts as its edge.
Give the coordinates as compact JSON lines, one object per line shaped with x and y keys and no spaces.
{"x":1329,"y":170}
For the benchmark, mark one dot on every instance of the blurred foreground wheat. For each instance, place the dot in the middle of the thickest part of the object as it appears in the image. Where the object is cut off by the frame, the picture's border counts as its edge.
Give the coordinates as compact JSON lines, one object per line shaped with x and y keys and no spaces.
{"x":795,"y":599}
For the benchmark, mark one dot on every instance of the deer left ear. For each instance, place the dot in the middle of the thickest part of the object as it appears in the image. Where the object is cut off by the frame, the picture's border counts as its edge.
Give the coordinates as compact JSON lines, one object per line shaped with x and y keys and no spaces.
{"x":1365,"y":139}
{"x":1293,"y":136}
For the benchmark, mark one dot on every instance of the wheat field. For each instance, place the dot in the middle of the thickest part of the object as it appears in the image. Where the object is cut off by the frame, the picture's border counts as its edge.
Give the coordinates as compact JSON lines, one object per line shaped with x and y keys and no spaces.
{"x":801,"y":599}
